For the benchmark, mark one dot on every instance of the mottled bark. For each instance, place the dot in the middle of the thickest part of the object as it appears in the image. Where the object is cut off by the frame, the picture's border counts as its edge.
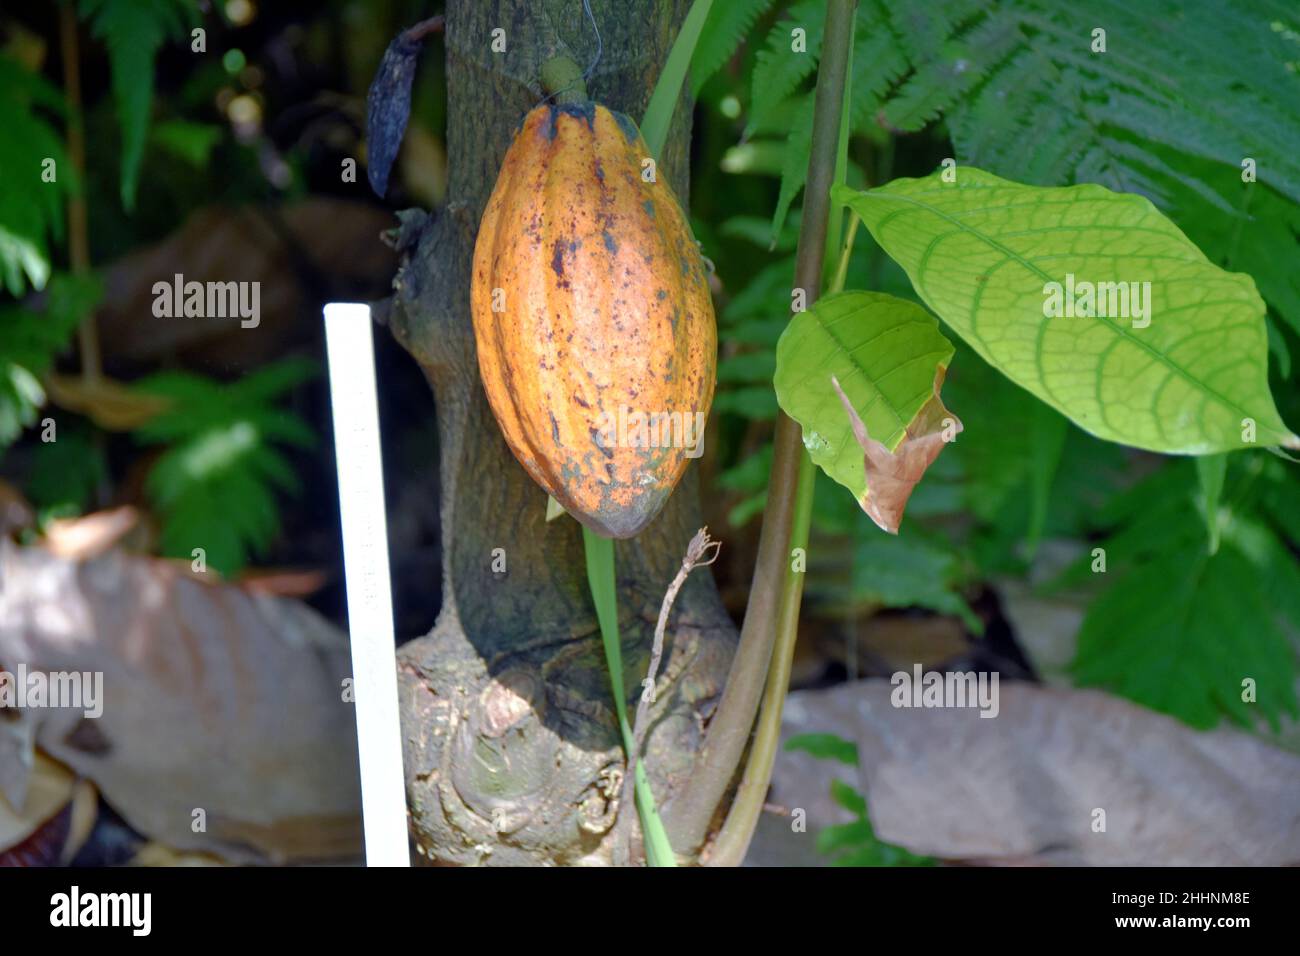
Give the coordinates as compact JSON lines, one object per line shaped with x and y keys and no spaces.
{"x":512,"y":751}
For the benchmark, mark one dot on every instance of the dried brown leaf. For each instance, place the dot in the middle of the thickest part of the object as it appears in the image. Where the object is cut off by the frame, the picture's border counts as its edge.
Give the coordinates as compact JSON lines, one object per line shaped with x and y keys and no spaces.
{"x":213,"y":699}
{"x":892,"y":475}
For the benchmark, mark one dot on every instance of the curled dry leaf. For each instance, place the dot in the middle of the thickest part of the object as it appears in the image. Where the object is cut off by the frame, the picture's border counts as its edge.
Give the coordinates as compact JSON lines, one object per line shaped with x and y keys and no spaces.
{"x":52,"y":820}
{"x":388,"y":107}
{"x":891,"y":476}
{"x":90,"y":535}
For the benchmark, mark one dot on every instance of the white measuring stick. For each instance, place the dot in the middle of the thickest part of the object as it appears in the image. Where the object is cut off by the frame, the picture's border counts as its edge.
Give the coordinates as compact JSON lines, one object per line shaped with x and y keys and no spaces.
{"x":365,"y":563}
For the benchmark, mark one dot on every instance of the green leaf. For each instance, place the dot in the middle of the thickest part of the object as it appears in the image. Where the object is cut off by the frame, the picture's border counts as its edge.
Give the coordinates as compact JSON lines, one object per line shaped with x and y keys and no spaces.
{"x":29,"y":343}
{"x":762,"y":296}
{"x":940,"y":82}
{"x":747,"y":367}
{"x":764,"y":157}
{"x":877,"y":63}
{"x":1187,"y":653}
{"x":779,"y":68}
{"x":1178,"y":629}
{"x":856,"y":843}
{"x":747,"y":510}
{"x":751,"y":474}
{"x":1261,"y":237}
{"x":908,"y":572}
{"x":983,"y":253}
{"x":748,"y":477}
{"x":755,"y":401}
{"x":840,"y":836}
{"x":883,"y":351}
{"x":1005,"y":455}
{"x":794,"y":164}
{"x":1213,"y":79}
{"x":659,"y":114}
{"x":880,"y":854}
{"x":133,"y":31}
{"x":214,"y":485}
{"x":825,"y":746}
{"x":599,"y":553}
{"x":848,"y":798}
{"x":191,"y":142}
{"x":1047,"y":442}
{"x":31,"y":209}
{"x":65,"y":472}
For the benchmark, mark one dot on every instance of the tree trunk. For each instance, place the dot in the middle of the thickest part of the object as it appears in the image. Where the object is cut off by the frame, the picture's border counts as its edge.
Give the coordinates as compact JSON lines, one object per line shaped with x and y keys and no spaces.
{"x":511,"y":746}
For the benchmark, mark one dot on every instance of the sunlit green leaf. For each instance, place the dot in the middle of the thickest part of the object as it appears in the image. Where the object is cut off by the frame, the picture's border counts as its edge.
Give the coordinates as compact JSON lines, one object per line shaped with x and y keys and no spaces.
{"x":1177,"y":364}
{"x":883,"y":351}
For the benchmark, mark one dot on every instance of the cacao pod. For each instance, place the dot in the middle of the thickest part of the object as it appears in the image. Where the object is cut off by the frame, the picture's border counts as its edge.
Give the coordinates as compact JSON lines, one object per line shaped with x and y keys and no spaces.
{"x":592,"y":317}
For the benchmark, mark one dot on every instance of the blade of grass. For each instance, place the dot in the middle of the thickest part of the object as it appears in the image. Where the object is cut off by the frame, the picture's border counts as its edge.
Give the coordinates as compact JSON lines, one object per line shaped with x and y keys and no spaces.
{"x":659,"y":114}
{"x":600,"y":576}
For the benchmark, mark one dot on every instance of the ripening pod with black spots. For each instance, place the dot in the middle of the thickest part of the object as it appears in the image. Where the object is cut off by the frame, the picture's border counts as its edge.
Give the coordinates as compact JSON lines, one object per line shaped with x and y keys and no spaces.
{"x":595,"y":331}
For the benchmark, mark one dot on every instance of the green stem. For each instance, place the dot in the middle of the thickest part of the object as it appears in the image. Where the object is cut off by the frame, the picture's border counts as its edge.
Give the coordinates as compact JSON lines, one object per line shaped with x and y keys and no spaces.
{"x":600,"y":576}
{"x":733,"y":840}
{"x":563,"y":79}
{"x":834,"y":226}
{"x":768,"y":612}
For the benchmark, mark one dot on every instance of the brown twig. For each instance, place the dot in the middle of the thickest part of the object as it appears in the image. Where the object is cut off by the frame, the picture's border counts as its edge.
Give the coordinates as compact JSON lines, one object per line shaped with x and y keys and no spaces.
{"x":696,"y":552}
{"x":424,"y":28}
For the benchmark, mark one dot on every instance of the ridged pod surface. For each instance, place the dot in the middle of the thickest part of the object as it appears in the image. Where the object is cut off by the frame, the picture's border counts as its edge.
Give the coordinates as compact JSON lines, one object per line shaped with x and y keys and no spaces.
{"x":592,"y":318}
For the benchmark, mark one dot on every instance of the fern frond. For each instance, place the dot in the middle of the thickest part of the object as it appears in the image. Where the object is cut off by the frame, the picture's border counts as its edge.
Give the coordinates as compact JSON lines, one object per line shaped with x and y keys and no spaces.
{"x":215,"y":483}
{"x":727,"y":24}
{"x":29,"y":342}
{"x":31,"y":204}
{"x":1207,"y":78}
{"x":779,"y":69}
{"x":794,"y":169}
{"x":923,"y":29}
{"x":878,"y":64}
{"x":965,"y":62}
{"x":133,"y":31}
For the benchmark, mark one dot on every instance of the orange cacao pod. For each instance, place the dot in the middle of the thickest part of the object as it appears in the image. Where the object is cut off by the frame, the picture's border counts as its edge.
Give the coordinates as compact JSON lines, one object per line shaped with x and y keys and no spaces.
{"x":592,"y":317}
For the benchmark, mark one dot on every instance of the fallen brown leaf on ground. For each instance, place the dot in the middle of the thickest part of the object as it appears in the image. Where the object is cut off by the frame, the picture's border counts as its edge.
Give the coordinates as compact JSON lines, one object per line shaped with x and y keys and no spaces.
{"x":1024,"y":786}
{"x":214,"y":700}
